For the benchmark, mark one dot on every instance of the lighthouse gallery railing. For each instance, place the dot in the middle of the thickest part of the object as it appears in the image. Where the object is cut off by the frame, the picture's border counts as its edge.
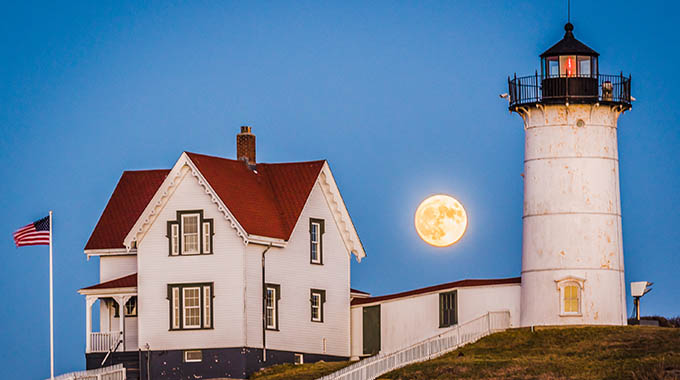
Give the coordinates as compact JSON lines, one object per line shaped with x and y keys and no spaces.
{"x":578,"y":89}
{"x":471,"y":331}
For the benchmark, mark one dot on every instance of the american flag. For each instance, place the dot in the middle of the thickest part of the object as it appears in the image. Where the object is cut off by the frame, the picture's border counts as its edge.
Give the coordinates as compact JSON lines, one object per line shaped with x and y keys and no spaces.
{"x":36,"y":233}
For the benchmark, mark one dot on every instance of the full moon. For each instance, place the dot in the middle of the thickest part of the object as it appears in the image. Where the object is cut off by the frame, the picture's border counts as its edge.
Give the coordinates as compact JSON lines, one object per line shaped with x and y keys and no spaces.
{"x":440,"y":220}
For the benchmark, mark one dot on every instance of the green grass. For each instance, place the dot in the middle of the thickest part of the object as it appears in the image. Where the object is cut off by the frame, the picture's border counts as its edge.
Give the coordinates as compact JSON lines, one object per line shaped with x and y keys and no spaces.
{"x":637,"y":353}
{"x":585,"y":353}
{"x":298,"y":372}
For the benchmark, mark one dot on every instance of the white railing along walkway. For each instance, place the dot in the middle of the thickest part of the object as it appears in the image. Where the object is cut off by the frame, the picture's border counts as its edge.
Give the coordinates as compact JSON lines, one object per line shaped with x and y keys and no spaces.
{"x":371,"y":368}
{"x":114,"y":372}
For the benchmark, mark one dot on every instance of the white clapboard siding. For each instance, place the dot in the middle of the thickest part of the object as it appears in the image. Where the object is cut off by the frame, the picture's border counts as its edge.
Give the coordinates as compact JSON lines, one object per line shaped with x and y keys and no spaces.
{"x":112,"y":267}
{"x":157,"y":269}
{"x":290,"y":267}
{"x":416,"y":318}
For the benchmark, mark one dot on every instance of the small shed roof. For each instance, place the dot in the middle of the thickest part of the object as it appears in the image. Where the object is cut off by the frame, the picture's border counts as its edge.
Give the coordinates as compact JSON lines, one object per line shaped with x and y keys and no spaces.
{"x":434,"y":288}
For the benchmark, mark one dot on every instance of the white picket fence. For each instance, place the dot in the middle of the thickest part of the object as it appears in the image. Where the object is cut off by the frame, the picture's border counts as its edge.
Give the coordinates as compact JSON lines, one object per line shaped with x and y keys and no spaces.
{"x":114,"y":372}
{"x":471,"y":331}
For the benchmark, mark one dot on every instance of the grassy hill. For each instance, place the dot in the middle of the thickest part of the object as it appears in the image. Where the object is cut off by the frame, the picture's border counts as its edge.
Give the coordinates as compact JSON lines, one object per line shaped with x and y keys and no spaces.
{"x":631,"y":352}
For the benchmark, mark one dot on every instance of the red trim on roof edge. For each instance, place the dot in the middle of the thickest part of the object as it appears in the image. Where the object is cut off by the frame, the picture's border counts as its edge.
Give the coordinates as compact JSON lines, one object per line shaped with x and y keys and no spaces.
{"x":129,"y":281}
{"x":434,"y":288}
{"x":351,"y":290}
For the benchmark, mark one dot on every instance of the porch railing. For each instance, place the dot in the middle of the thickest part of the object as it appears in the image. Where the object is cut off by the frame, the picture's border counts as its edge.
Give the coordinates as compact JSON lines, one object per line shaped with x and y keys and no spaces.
{"x":114,"y":372}
{"x":103,"y":341}
{"x":471,"y":331}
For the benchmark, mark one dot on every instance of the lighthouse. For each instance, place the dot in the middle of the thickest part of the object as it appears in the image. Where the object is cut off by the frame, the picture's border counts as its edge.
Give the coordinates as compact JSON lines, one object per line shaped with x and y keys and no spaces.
{"x":572,"y":253}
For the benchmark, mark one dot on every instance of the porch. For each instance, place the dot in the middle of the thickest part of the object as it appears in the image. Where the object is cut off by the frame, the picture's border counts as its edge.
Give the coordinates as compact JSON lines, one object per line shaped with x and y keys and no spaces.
{"x":117,"y":316}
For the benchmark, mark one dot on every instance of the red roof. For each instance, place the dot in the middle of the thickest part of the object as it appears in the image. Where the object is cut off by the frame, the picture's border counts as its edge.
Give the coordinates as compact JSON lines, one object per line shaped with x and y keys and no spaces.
{"x":129,"y":281}
{"x":455,"y":284}
{"x":266,"y":199}
{"x":133,"y":192}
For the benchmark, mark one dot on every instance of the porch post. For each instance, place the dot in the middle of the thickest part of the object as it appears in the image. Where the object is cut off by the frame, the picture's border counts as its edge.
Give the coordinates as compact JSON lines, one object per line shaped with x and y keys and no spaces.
{"x":89,"y":301}
{"x":122,"y":318}
{"x":121,"y":301}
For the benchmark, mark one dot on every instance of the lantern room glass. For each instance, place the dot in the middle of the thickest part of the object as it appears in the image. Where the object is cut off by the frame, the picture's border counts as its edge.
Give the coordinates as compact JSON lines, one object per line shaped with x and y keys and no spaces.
{"x":569,"y":66}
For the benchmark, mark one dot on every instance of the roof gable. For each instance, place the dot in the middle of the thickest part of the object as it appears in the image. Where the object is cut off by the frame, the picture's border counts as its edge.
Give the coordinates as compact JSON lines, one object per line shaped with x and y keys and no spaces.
{"x":262,"y":202}
{"x":129,"y":199}
{"x":266,"y":199}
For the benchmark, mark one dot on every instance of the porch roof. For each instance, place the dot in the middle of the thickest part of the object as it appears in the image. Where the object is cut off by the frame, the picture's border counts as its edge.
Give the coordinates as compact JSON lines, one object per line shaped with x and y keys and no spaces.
{"x":129,"y":281}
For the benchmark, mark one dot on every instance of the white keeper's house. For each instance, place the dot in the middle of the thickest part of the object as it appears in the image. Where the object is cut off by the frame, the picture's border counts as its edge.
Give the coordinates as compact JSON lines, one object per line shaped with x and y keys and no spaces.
{"x":219,"y":267}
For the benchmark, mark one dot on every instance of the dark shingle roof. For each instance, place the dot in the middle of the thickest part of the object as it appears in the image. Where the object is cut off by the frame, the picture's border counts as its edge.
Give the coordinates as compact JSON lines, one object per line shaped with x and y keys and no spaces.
{"x":569,"y":45}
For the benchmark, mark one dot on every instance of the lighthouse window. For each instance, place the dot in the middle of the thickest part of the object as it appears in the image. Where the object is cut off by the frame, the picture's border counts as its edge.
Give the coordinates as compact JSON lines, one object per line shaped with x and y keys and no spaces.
{"x":568,"y":65}
{"x":552,"y":67}
{"x":584,"y":66}
{"x":571,"y":299}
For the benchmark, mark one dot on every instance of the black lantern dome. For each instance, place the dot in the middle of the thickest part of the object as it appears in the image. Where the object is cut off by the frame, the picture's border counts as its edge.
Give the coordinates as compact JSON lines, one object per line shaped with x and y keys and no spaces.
{"x":569,"y":74}
{"x":569,"y":58}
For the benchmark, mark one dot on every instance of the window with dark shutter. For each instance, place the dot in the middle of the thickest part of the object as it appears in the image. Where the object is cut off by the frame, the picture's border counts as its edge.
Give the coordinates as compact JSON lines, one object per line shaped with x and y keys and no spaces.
{"x":190,"y":234}
{"x":316,"y":230}
{"x":448,"y":313}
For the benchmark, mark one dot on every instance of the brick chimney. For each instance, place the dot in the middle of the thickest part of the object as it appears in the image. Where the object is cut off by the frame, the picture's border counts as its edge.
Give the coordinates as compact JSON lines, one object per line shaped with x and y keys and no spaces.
{"x":245,"y":145}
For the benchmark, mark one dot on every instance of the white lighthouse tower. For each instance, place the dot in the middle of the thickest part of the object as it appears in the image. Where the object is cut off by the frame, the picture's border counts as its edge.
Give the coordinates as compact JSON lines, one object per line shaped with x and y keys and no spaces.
{"x":572,"y":254}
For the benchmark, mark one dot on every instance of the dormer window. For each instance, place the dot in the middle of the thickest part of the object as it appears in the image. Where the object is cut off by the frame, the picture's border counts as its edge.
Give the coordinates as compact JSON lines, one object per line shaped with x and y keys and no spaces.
{"x":316,"y":231}
{"x":190,"y":234}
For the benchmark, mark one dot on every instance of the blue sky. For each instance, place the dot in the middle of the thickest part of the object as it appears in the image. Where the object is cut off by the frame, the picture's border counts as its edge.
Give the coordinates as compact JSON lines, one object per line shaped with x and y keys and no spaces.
{"x":400,"y":97}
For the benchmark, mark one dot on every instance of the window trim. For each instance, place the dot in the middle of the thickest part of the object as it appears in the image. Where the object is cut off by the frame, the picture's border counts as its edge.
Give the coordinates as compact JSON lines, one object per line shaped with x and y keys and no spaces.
{"x":322,"y":300}
{"x":580,"y":286}
{"x":199,"y":233}
{"x":299,"y":356}
{"x":174,"y":309}
{"x":322,"y":229}
{"x":454,"y":293}
{"x":277,"y":296}
{"x":180,"y":233}
{"x":199,"y":307}
{"x":186,"y":360}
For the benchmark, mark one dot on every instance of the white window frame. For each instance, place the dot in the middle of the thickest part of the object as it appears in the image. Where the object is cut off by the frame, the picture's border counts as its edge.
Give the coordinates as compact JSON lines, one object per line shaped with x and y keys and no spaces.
{"x":299,"y":359}
{"x":194,"y":360}
{"x":185,"y":307}
{"x":270,"y":307}
{"x":197,"y":234}
{"x":561,"y":286}
{"x":319,"y":307}
{"x":315,"y":239}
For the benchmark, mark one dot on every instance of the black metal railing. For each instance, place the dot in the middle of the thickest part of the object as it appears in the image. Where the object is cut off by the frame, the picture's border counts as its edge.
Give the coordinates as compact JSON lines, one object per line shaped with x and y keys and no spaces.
{"x":614,"y":89}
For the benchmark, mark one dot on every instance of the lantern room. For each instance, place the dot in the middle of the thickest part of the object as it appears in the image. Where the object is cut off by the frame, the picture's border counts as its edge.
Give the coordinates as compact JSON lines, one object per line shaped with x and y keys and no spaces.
{"x":569,"y":73}
{"x":569,"y":58}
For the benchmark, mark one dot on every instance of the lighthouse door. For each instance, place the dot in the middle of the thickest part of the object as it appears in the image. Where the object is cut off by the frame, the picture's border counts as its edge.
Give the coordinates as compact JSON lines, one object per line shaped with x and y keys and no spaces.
{"x":371,"y":330}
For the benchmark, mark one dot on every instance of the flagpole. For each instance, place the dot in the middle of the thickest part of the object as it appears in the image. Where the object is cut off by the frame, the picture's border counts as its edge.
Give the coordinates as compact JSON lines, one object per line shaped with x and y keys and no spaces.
{"x":51,"y":308}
